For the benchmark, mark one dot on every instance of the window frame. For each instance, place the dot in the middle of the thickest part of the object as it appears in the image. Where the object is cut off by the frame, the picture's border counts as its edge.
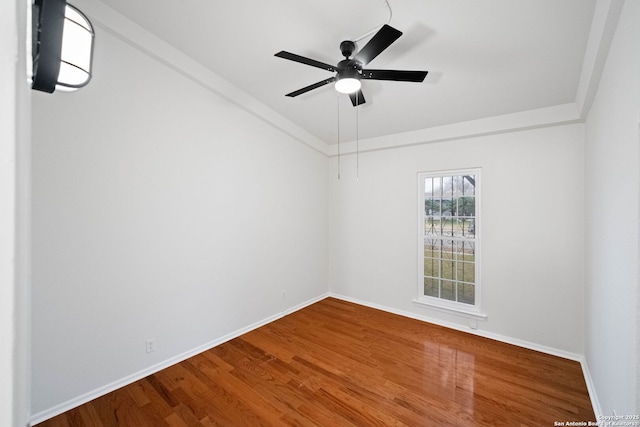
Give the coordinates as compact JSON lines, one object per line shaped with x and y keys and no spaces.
{"x":472,"y":311}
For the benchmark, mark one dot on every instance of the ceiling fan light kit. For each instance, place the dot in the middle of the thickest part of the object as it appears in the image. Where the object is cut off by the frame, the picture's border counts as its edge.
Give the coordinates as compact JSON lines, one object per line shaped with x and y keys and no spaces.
{"x":348,"y":81}
{"x":350,"y":71}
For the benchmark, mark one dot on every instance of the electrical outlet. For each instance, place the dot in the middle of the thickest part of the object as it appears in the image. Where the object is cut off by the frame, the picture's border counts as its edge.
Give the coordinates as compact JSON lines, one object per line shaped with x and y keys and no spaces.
{"x":150,"y":345}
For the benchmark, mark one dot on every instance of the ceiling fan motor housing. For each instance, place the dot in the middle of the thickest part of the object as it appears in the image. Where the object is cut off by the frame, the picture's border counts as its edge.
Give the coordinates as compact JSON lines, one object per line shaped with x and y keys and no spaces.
{"x":348,"y":73}
{"x":349,"y":64}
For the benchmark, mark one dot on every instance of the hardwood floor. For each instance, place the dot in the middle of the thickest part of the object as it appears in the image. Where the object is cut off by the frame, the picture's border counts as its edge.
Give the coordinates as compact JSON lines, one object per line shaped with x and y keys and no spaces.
{"x":339,"y":364}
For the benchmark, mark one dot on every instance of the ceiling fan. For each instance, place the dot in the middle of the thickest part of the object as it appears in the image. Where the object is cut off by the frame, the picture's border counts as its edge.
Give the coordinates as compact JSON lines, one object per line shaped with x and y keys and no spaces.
{"x":350,"y":71}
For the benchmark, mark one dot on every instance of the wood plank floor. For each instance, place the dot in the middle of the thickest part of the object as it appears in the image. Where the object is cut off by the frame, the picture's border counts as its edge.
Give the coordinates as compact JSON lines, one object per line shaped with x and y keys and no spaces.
{"x":339,"y":364}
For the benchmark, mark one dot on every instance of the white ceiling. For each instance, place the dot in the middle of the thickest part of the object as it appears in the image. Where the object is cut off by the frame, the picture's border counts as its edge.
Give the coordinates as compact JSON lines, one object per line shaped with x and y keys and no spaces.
{"x":484,"y":57}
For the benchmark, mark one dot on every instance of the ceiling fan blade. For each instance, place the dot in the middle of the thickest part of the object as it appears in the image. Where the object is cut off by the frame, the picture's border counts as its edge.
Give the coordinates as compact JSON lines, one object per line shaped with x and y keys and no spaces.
{"x":303,"y":60}
{"x":396,"y":75}
{"x":311,"y":87}
{"x":357,"y":98}
{"x":379,"y":42}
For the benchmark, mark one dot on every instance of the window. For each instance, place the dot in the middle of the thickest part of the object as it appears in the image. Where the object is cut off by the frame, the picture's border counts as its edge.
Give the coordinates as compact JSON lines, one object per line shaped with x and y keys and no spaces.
{"x":449,"y":240}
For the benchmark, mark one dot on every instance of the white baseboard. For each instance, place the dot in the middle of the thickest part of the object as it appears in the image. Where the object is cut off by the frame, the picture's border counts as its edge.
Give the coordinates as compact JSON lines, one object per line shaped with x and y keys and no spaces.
{"x":486,"y":334}
{"x":108,"y":388}
{"x":597,"y":409}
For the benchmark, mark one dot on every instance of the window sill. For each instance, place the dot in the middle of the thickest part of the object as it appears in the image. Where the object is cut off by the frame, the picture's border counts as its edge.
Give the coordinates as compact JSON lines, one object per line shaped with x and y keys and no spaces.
{"x":470,"y":314}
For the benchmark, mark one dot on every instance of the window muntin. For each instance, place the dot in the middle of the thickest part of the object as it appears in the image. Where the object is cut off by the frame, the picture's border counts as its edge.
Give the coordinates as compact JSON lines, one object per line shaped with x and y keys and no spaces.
{"x":448,"y":239}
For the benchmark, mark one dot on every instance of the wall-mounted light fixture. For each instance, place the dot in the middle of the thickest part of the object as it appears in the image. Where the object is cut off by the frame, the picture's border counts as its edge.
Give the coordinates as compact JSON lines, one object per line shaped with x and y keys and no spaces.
{"x":62,"y":46}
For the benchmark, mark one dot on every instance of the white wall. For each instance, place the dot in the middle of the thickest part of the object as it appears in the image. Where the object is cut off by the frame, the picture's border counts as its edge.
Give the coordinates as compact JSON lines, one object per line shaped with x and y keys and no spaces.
{"x":160,"y":210}
{"x":14,"y":218}
{"x":532,"y":219}
{"x":8,"y":139}
{"x":612,"y":199}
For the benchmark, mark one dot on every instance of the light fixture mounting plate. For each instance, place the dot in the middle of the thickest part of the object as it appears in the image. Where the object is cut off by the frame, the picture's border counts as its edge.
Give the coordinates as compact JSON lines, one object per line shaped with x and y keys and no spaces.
{"x":348,"y":48}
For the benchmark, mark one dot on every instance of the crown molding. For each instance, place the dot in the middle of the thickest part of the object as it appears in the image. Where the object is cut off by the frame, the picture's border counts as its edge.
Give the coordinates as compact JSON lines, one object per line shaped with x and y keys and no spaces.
{"x":603,"y":26}
{"x":532,"y":119}
{"x":605,"y":19}
{"x":122,"y":28}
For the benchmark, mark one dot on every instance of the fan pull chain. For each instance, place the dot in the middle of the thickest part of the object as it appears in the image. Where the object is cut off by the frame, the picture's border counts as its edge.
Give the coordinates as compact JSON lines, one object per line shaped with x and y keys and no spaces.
{"x":338,"y":98}
{"x":357,"y":137}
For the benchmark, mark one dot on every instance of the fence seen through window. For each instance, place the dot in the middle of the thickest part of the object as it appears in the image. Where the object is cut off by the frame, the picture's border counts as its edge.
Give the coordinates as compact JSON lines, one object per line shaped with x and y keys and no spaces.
{"x":449,"y":235}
